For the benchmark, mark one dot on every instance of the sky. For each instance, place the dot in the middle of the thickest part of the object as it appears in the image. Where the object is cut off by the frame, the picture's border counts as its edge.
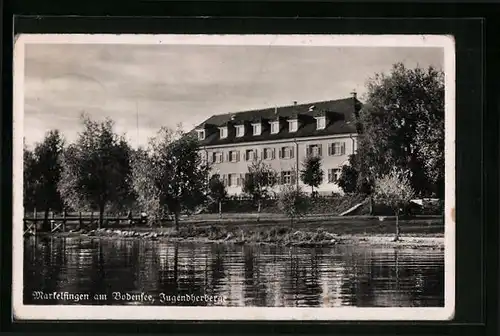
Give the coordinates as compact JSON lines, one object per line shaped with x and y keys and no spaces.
{"x":144,"y":87}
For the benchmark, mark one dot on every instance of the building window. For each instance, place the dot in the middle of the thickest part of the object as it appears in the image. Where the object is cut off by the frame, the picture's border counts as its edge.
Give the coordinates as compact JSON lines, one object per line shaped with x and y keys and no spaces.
{"x":314,"y":150}
{"x":234,"y":156}
{"x":275,"y":127}
{"x":336,"y":148}
{"x":286,"y":177}
{"x":217,"y":157}
{"x":286,"y":153}
{"x":223,"y":132}
{"x":232,"y":180}
{"x":334,"y":175}
{"x":293,"y":125}
{"x":250,"y":155}
{"x":268,"y":179}
{"x":201,"y":134}
{"x":257,"y":129}
{"x":268,"y":153}
{"x":320,"y":123}
{"x":240,"y":131}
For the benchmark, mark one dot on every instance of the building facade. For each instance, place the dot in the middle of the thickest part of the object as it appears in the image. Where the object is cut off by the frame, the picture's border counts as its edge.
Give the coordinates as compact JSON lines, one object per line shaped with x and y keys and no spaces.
{"x":282,"y":137}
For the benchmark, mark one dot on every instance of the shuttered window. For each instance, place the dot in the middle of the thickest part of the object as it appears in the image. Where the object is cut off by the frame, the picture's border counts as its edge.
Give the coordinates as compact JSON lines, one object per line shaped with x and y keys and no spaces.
{"x":250,"y":154}
{"x":314,"y":150}
{"x":286,"y":152}
{"x":234,"y":156}
{"x":269,"y":153}
{"x":336,"y":148}
{"x":217,"y":157}
{"x":233,"y":180}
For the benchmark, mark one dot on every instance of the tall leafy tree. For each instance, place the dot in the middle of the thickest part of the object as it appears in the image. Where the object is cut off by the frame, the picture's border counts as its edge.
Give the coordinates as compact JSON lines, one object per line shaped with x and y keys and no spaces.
{"x":43,"y":173}
{"x":348,"y":180}
{"x":395,"y":190}
{"x":29,"y":179}
{"x":172,"y":172}
{"x":144,"y":174}
{"x":97,"y":169}
{"x":311,"y":173}
{"x":217,"y":190}
{"x":403,"y":126}
{"x":259,"y":181}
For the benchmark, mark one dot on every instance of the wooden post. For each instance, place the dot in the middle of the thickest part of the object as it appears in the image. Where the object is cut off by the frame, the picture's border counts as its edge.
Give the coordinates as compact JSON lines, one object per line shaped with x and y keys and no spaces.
{"x":80,"y":220}
{"x":130,"y":218}
{"x":34,"y":217}
{"x":64,"y":221}
{"x":52,"y":222}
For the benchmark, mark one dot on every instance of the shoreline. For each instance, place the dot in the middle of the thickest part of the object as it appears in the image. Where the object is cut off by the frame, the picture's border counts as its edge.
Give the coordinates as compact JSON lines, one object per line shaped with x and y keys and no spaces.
{"x":285,"y":237}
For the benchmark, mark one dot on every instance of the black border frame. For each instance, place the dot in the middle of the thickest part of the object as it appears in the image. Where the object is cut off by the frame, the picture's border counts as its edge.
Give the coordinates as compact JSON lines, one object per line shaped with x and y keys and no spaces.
{"x":475,"y":157}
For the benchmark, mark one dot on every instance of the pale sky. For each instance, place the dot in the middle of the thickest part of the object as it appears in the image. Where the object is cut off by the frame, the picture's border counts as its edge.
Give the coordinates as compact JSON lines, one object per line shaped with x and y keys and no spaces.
{"x":164,"y":85}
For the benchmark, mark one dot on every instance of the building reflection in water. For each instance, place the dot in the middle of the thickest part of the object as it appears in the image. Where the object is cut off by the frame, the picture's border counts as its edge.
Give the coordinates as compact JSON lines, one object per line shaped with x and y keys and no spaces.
{"x":244,"y":275}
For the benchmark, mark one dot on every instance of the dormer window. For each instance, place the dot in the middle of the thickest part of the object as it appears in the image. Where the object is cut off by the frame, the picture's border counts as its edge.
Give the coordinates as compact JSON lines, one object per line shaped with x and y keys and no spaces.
{"x":320,"y":123}
{"x":257,"y":129}
{"x":275,"y":127}
{"x":293,"y":125}
{"x":240,"y":131}
{"x":223,"y":132}
{"x":201,"y":134}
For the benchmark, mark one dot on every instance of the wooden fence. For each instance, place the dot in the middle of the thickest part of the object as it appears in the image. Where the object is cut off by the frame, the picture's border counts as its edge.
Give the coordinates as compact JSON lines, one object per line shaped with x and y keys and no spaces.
{"x":78,"y":220}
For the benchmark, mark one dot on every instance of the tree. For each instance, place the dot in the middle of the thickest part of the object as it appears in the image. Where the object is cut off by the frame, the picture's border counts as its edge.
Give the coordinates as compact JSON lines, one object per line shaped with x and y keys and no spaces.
{"x":348,"y":179}
{"x":355,"y":178}
{"x":43,"y":173}
{"x":293,"y":202}
{"x":97,"y":172}
{"x":29,"y":179}
{"x":259,"y":182}
{"x":395,"y":190}
{"x":403,"y":126}
{"x":144,"y":174}
{"x":171,"y":175}
{"x":311,"y":173}
{"x":217,"y":190}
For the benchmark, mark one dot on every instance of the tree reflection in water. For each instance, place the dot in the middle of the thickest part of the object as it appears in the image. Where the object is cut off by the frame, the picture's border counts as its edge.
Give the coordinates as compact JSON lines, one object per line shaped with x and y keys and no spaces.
{"x":247,"y":275}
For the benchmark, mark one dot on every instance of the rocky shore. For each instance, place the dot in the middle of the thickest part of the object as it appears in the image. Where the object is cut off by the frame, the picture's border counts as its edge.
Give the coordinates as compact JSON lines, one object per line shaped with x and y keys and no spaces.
{"x":282,"y":236}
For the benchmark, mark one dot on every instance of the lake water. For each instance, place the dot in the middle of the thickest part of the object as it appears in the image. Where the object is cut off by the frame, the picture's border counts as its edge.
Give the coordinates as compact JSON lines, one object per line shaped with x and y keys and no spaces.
{"x":233,"y":275}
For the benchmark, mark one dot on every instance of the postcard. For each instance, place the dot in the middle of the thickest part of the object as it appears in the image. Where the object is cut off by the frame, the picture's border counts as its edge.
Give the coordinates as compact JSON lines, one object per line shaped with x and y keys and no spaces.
{"x":234,"y":177}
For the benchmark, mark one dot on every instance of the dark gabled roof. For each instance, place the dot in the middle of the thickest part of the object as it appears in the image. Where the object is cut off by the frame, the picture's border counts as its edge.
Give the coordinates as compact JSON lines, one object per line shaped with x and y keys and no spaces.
{"x":342,"y":111}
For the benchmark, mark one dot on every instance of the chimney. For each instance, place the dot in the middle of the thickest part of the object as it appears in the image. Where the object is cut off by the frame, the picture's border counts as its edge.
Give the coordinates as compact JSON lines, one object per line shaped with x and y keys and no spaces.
{"x":354,"y":94}
{"x":295,"y":103}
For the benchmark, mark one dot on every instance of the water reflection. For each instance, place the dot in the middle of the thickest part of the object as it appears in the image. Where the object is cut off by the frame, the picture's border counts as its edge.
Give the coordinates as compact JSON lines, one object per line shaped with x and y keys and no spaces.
{"x":243,"y":275}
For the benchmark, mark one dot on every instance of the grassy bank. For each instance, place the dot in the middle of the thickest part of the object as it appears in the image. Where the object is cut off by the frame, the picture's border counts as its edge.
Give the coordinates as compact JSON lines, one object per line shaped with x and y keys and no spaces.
{"x":313,"y":233}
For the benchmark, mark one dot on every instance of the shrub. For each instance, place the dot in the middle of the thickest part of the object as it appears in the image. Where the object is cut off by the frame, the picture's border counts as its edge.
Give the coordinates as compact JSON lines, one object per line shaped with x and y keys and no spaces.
{"x":293,"y":202}
{"x":394,"y":190}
